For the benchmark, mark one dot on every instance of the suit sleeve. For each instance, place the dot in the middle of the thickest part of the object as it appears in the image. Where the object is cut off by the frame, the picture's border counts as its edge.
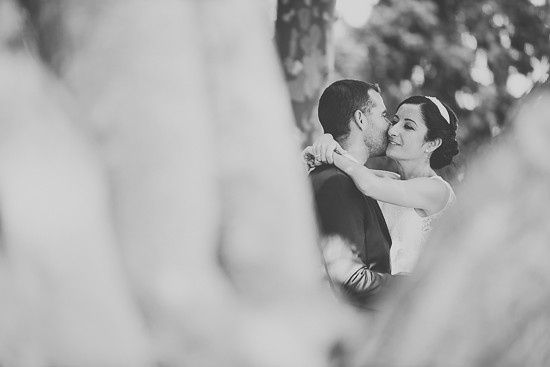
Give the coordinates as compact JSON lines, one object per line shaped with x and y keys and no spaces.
{"x":340,"y":213}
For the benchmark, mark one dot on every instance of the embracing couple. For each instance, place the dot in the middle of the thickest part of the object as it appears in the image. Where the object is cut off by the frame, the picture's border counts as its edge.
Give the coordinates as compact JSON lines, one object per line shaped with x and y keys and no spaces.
{"x":375,"y":222}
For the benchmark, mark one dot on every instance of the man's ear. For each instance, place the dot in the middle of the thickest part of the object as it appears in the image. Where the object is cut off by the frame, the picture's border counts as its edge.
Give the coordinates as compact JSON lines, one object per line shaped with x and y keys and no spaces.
{"x":433,"y":145}
{"x":360,"y":119}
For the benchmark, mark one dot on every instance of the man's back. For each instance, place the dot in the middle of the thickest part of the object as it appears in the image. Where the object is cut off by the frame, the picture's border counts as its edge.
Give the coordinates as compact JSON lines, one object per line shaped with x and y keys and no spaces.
{"x":343,"y":210}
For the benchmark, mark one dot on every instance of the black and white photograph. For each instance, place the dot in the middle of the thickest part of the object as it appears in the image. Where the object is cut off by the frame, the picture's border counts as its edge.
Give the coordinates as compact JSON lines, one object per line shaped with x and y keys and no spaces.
{"x":274,"y":183}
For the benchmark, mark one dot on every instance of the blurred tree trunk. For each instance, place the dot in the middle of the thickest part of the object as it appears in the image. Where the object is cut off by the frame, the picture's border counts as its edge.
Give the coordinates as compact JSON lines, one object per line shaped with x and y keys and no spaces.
{"x":136,"y":175}
{"x":303,"y":34}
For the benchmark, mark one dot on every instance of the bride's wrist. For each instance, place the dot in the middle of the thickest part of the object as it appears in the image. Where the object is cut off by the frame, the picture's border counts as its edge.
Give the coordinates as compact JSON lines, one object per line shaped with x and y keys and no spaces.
{"x":349,"y":169}
{"x":345,"y":164}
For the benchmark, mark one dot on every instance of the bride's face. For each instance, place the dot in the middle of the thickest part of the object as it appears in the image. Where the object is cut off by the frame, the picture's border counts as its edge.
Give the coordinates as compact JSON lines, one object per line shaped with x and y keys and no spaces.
{"x":407,"y":134}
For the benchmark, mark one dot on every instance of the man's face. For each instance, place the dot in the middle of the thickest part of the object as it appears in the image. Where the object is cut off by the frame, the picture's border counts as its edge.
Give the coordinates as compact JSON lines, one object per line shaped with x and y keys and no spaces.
{"x":378,"y":122}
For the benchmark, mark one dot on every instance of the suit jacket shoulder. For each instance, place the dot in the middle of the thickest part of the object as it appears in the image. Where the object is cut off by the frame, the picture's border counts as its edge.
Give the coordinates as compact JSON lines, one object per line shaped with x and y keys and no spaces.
{"x":340,"y":206}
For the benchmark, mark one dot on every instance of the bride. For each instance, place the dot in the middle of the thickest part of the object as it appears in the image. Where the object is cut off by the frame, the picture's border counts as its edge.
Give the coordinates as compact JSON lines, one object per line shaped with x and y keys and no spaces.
{"x":421,"y":138}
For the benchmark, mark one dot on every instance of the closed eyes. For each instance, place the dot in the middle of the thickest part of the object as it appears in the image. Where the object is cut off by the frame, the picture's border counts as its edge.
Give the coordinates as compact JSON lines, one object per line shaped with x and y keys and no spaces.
{"x":395,"y":120}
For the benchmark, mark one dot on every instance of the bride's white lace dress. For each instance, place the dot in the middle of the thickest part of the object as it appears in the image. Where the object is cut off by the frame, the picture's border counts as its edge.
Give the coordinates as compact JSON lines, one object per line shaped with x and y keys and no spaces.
{"x":408,"y":231}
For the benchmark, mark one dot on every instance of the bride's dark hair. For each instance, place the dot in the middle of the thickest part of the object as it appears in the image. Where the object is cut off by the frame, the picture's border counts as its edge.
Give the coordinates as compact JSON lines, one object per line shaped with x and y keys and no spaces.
{"x":438,"y":127}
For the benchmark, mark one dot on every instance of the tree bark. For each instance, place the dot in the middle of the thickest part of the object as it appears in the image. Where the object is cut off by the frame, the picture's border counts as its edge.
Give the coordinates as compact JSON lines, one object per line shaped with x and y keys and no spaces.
{"x":303,"y":34}
{"x":184,"y":243}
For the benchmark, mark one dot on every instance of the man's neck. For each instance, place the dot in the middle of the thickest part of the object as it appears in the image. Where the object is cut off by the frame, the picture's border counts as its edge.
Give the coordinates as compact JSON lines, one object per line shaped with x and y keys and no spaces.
{"x":356,"y":149}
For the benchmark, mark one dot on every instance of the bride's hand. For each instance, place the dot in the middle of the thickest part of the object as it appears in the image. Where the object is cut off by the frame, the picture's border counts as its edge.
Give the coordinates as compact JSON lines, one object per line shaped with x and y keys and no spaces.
{"x":309,"y":159}
{"x":324,"y":148}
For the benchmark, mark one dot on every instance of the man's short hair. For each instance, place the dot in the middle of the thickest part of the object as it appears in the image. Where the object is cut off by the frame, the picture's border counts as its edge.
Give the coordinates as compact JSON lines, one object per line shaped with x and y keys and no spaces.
{"x":339,"y":102}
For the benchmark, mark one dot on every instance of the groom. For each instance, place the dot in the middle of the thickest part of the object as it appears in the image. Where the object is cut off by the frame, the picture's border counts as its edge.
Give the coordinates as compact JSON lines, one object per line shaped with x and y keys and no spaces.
{"x":357,"y":242}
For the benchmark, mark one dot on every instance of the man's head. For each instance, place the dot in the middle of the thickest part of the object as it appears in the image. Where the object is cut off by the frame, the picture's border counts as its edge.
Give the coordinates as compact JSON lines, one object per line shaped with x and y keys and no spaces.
{"x":352,"y":108}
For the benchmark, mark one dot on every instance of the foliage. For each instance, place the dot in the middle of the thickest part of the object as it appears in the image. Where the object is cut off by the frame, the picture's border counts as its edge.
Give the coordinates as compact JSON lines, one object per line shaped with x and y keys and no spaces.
{"x":464,"y":52}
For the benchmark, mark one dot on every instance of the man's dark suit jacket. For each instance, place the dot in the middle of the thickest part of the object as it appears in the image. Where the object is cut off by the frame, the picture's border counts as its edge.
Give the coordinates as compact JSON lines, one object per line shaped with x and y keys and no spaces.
{"x":344,"y":211}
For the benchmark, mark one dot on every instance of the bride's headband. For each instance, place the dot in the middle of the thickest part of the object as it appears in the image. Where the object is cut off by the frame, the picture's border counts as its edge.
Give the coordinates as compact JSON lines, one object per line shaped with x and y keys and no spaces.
{"x":442,"y":110}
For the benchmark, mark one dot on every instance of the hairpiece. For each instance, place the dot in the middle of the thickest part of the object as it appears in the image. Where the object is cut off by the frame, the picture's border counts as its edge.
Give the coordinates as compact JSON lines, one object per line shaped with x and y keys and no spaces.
{"x":442,"y":110}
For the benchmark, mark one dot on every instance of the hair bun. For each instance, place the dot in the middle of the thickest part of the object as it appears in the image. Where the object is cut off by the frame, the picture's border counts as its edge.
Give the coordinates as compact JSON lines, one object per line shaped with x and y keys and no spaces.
{"x":443,"y":155}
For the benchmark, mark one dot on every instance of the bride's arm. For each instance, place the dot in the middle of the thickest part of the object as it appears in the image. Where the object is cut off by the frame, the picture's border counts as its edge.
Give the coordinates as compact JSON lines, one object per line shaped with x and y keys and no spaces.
{"x":421,"y":193}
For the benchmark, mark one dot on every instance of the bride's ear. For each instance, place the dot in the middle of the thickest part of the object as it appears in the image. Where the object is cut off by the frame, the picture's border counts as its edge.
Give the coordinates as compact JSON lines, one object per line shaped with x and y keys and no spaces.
{"x":360,"y":119}
{"x":432,"y":145}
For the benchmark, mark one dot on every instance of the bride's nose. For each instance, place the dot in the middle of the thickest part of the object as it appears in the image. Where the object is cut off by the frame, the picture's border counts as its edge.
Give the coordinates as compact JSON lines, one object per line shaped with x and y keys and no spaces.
{"x":392,"y":131}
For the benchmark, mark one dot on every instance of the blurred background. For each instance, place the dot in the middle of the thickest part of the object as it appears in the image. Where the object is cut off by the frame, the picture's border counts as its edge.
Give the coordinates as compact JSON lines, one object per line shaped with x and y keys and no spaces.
{"x":480,"y":57}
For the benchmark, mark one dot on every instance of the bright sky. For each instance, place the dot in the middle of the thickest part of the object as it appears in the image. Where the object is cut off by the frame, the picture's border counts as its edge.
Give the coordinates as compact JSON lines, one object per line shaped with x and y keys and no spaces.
{"x":355,"y":12}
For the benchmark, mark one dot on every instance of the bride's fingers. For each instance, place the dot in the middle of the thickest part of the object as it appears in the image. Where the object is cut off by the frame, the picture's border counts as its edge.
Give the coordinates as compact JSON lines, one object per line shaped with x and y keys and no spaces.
{"x":340,"y":150}
{"x":316,"y":151}
{"x":330,"y":156}
{"x":323,"y":154}
{"x":330,"y":153}
{"x":307,"y":152}
{"x":320,"y":153}
{"x":309,"y":156}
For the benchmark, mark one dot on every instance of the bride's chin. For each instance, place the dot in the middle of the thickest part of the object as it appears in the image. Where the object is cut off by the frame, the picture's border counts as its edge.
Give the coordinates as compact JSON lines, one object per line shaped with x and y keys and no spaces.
{"x":389,"y":152}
